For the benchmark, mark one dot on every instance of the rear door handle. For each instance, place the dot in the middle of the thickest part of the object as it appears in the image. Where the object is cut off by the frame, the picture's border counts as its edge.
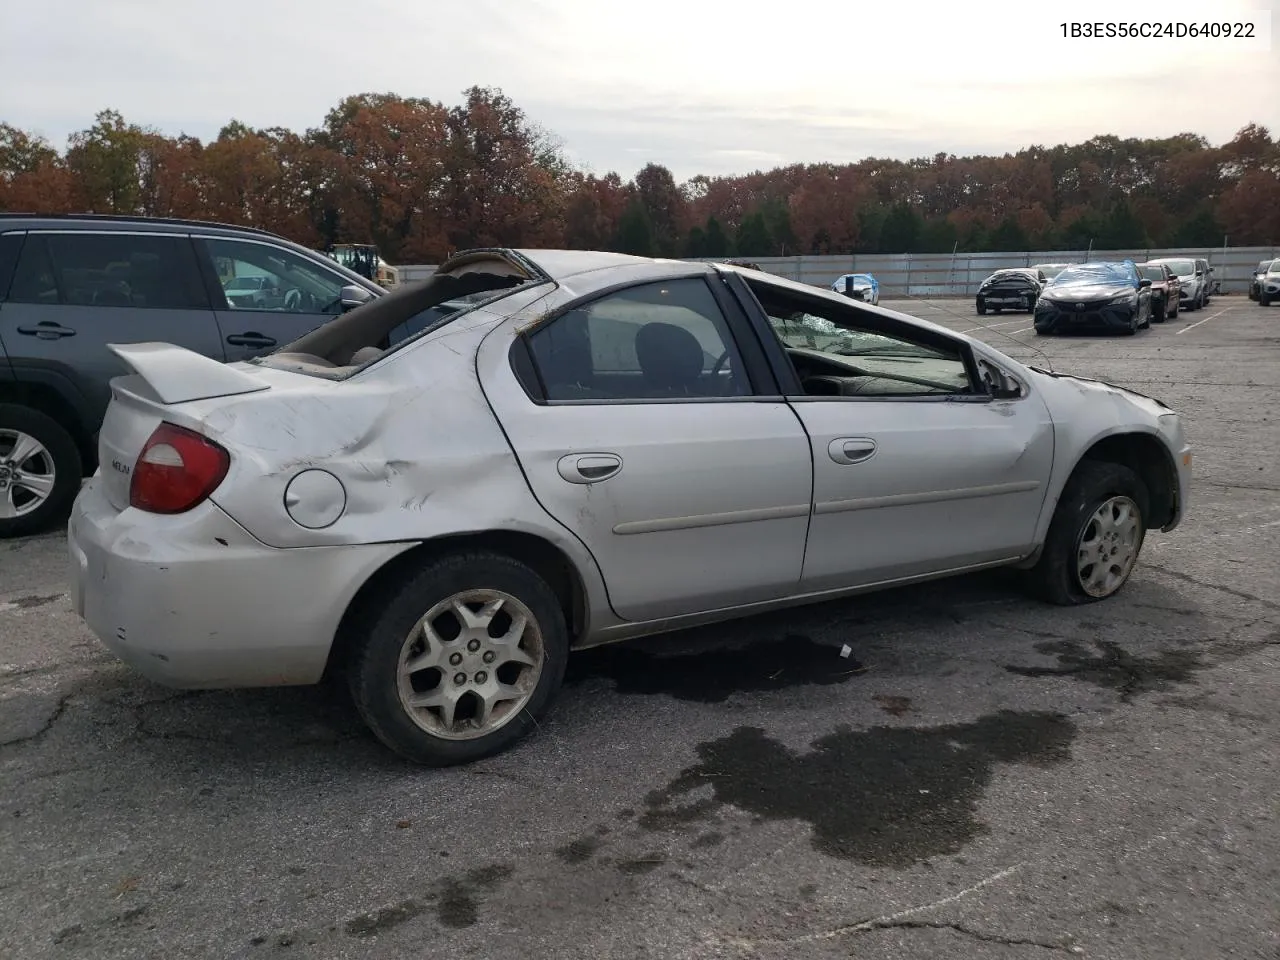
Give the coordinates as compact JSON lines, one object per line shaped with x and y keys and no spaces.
{"x":250,"y":339}
{"x":848,"y":450}
{"x":588,"y":467}
{"x":47,"y":330}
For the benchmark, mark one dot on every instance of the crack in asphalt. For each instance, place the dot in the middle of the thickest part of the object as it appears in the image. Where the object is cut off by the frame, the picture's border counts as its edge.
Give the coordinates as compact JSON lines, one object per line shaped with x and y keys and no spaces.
{"x":872,"y":925}
{"x":1238,"y":594}
{"x":45,"y":727}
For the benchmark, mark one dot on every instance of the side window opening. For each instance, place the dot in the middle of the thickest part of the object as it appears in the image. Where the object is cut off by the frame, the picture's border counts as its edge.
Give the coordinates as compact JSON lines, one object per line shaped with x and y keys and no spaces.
{"x":259,"y":276}
{"x":33,"y":279}
{"x":667,"y":340}
{"x":109,"y":270}
{"x":836,"y":351}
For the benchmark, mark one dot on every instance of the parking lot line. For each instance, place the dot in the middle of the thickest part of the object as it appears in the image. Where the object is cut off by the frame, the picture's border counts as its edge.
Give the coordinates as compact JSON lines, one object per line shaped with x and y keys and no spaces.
{"x":987,"y":326}
{"x":1198,"y":322}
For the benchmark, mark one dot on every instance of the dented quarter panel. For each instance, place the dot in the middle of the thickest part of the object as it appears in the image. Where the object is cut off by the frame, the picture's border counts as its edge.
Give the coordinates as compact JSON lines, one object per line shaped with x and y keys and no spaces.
{"x":411,"y":439}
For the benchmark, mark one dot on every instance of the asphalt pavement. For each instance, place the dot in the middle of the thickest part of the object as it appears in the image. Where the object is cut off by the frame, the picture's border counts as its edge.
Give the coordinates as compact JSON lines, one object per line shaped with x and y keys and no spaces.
{"x":985,"y":776}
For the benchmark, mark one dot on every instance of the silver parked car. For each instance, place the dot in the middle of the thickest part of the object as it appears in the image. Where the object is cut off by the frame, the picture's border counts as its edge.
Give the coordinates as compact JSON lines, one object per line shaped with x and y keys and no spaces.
{"x":594,"y":447}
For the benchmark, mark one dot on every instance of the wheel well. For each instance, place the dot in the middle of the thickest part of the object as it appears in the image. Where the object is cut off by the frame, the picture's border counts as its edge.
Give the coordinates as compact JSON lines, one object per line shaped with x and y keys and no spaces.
{"x":547,"y":560}
{"x":1150,"y":460}
{"x":50,"y":402}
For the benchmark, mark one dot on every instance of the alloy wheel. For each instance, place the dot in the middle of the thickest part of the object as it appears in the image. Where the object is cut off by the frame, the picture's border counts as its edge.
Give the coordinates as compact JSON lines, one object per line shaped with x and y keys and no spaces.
{"x":470,"y":665}
{"x":27,"y":474}
{"x":1108,"y":547}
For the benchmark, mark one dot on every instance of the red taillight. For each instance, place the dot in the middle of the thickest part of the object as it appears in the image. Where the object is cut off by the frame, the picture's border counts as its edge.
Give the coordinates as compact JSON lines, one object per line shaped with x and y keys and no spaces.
{"x":177,"y":469}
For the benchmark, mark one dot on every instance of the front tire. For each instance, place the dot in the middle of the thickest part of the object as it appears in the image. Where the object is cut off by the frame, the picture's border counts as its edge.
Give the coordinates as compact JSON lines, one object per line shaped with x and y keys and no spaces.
{"x":1095,"y":537}
{"x":1162,"y":314}
{"x":460,"y":659}
{"x":40,"y":470}
{"x":1264,"y":300}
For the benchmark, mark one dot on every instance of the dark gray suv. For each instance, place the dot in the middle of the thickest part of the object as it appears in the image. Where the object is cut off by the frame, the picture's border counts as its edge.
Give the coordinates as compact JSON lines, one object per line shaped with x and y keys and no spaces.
{"x":71,"y":285}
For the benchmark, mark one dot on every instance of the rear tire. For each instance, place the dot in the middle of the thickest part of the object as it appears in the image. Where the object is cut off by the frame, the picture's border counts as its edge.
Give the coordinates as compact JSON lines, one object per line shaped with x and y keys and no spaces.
{"x":459,"y":683}
{"x":48,"y":454}
{"x":1079,"y":532}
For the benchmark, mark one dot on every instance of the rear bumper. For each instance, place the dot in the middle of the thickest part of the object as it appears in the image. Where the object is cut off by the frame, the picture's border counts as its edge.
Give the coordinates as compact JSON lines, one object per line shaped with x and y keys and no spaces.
{"x":194,"y":601}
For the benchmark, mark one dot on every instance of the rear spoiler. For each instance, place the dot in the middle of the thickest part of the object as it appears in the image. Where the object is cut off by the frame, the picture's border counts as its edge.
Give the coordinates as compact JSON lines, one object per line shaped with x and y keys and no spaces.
{"x":178,"y":375}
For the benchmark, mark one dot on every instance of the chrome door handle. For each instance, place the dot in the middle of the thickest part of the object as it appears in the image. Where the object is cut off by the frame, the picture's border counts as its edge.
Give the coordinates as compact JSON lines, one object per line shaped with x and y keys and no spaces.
{"x":848,"y":450}
{"x":588,"y":467}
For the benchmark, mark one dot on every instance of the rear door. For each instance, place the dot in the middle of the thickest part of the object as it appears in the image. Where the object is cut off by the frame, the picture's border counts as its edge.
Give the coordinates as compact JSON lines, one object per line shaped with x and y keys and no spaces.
{"x":73,"y":292}
{"x":264,"y":295}
{"x":648,"y":431}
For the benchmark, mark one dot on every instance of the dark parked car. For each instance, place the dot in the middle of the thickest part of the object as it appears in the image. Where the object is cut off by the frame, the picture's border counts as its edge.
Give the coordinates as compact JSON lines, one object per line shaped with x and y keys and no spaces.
{"x":1108,"y":295}
{"x":71,"y":285}
{"x":1269,"y":286}
{"x":1017,"y":288}
{"x":1255,"y":282}
{"x":1166,"y":290}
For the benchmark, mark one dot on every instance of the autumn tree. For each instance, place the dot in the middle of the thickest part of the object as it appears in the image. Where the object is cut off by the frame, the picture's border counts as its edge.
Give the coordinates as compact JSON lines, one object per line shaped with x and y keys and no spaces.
{"x":421,"y":179}
{"x":664,"y":207}
{"x":503,"y":178}
{"x":105,"y":162}
{"x":32,"y":176}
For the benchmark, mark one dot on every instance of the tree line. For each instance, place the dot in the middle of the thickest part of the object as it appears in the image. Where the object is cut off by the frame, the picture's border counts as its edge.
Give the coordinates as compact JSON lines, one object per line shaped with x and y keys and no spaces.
{"x":420,"y":179}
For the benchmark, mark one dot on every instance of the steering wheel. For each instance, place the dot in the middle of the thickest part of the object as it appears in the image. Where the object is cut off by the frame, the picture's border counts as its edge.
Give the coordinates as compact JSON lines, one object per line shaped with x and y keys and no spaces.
{"x":293,"y":299}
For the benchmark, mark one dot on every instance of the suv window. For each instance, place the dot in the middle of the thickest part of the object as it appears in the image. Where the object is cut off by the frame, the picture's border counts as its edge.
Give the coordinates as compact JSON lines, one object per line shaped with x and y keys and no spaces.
{"x":262,"y":276}
{"x":109,"y":270}
{"x":10,"y":245}
{"x":666,"y":340}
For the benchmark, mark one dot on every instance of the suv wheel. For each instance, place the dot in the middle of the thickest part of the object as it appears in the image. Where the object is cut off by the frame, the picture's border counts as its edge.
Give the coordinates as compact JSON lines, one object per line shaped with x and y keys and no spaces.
{"x":40,"y":470}
{"x":1095,"y":537}
{"x":459,"y":660}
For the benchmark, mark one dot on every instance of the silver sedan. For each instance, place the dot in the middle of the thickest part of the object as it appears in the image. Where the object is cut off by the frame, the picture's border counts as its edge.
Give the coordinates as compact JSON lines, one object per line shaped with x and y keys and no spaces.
{"x":593,"y":447}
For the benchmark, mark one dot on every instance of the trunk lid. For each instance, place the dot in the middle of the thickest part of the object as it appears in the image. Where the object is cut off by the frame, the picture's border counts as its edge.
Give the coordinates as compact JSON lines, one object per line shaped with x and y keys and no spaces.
{"x":165,"y":378}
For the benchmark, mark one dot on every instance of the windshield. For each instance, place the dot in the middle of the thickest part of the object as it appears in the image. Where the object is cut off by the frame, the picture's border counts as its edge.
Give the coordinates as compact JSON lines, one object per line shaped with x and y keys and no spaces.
{"x":1151,"y":273}
{"x":1093,"y":273}
{"x":1051,"y":270}
{"x":1181,"y":267}
{"x":1274,"y":268}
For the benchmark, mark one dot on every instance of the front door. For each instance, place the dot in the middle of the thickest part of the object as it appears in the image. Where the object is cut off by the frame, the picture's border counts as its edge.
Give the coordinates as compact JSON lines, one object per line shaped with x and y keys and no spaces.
{"x":643,"y":436}
{"x":903,"y":489}
{"x":917,"y":469}
{"x":267,"y":296}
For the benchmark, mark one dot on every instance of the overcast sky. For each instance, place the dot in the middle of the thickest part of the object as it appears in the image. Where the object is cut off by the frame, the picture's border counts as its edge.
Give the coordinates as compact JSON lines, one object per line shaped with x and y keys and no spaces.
{"x":702,"y":87}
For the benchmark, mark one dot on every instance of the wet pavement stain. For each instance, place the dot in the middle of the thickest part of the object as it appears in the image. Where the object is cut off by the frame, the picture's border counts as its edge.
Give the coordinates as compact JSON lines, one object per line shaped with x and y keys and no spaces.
{"x":887,"y":796}
{"x":456,"y":902}
{"x":579,"y":851}
{"x":1114,"y":668}
{"x":712,"y":676}
{"x":894,"y":706}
